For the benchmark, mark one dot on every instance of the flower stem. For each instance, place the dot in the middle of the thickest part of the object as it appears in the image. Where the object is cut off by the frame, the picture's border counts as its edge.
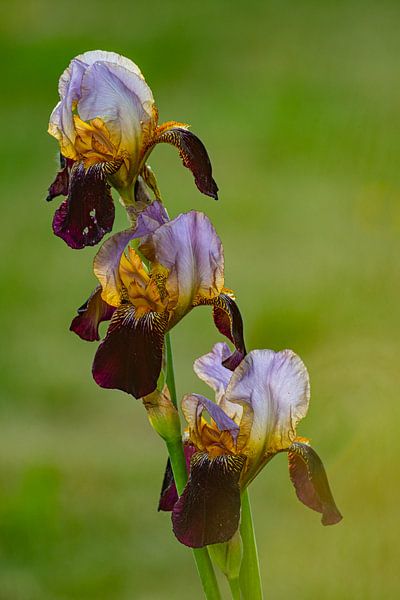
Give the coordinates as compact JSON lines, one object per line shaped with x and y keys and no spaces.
{"x":178,"y":464}
{"x":250,"y":580}
{"x":170,"y":379}
{"x":235,"y":588}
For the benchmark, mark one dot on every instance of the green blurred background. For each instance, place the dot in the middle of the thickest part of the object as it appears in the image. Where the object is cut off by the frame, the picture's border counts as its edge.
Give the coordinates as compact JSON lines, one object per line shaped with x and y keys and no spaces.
{"x":298,"y":105}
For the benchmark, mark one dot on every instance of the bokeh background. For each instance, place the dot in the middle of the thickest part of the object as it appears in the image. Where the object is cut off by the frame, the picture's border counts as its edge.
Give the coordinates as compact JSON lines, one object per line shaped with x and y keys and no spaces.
{"x":298,"y":105}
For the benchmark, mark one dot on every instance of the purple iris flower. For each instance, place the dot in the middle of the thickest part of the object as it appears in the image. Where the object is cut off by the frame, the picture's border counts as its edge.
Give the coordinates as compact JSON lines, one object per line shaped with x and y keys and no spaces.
{"x":106,"y":123}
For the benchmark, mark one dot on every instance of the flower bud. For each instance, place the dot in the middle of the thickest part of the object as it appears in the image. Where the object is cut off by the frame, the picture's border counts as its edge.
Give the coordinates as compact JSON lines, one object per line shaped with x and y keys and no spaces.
{"x":162,"y":414}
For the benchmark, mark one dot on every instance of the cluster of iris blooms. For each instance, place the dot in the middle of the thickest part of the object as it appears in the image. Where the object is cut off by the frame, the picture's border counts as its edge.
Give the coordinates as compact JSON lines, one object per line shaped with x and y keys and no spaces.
{"x":150,"y":276}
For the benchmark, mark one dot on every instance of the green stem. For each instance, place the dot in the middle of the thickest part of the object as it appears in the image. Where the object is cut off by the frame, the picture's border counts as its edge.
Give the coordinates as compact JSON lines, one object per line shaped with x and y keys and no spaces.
{"x":170,"y":380}
{"x":235,"y":588}
{"x":250,"y":580}
{"x":178,"y":464}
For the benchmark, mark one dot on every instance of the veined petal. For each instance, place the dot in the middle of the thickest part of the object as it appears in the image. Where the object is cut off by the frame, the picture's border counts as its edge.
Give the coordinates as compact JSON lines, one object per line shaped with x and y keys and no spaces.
{"x":208,"y":511}
{"x":90,"y":315}
{"x":88,"y":212}
{"x":274,"y":390}
{"x":107,"y":260}
{"x":193,"y":154}
{"x":190,"y":249}
{"x":130,"y":356}
{"x":308,"y":476}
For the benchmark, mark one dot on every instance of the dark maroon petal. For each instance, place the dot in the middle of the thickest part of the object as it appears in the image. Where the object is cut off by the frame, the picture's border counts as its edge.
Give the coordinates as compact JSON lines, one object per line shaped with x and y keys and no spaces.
{"x":90,"y":315}
{"x":60,"y":185}
{"x":311,"y":483}
{"x":169,"y":494}
{"x":194,"y":156}
{"x":88,"y":212}
{"x":129,"y":358}
{"x":208,"y":512}
{"x":228,"y":320}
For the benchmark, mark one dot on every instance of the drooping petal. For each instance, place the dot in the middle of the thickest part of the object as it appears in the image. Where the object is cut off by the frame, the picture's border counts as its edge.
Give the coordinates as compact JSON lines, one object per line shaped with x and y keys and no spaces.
{"x":192,"y":408}
{"x":130,"y":356}
{"x":208,"y":512}
{"x":88,"y":212}
{"x":60,"y":185}
{"x":228,"y":321}
{"x":93,"y":312}
{"x":107,"y":260}
{"x":169,"y":495}
{"x":274,"y":390}
{"x":190,"y":249}
{"x":308,"y":476}
{"x":193,"y":154}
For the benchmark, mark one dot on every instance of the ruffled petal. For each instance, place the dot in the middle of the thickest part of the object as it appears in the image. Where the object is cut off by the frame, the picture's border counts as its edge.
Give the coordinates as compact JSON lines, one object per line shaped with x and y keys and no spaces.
{"x":130,"y":356}
{"x":88,"y":212}
{"x":208,"y":512}
{"x":308,"y":476}
{"x":107,"y":260}
{"x":193,"y":154}
{"x":274,"y":390}
{"x":93,"y":312}
{"x":190,"y":249}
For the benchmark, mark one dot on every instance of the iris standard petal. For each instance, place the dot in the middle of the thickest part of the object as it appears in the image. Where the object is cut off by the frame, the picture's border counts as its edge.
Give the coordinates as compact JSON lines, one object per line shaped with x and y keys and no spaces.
{"x":107,"y":260}
{"x":123,"y":101}
{"x":130,"y":356}
{"x":210,"y":369}
{"x":190,"y":249}
{"x":93,"y":312}
{"x":308,"y":476}
{"x":208,"y":512}
{"x":88,"y":212}
{"x":70,"y":89}
{"x":193,"y":154}
{"x":274,"y":390}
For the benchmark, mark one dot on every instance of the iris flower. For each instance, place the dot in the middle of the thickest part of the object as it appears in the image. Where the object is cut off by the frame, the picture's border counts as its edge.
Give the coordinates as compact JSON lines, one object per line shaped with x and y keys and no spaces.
{"x":106,"y":123}
{"x":185,"y":269}
{"x":257,"y":409}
